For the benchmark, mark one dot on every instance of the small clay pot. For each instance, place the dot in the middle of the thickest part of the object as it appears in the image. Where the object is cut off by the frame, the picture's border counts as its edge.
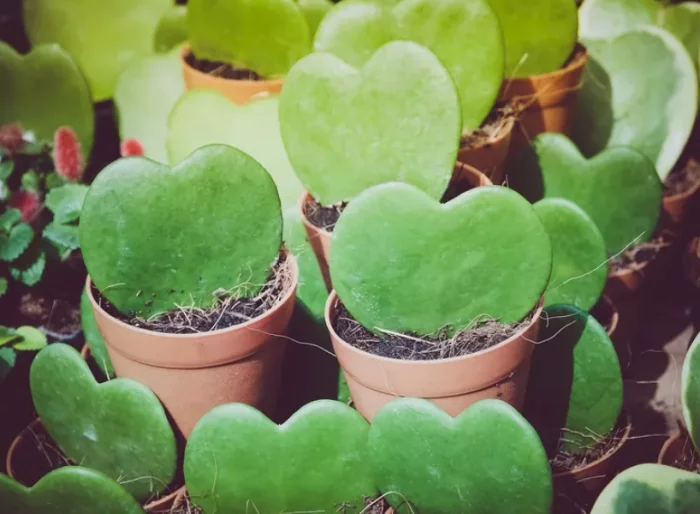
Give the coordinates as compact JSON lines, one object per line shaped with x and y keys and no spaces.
{"x":584,"y":484}
{"x":16,"y":454}
{"x":453,"y":384}
{"x":675,"y":208}
{"x":490,"y":156}
{"x":238,"y":91}
{"x":464,"y":177}
{"x":193,"y":373}
{"x":547,"y":101}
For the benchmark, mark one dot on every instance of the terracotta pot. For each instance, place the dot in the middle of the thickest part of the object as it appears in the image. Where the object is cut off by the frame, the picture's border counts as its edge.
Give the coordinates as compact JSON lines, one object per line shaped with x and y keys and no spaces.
{"x":16,"y":454}
{"x":238,"y":91}
{"x":490,"y":156}
{"x":585,"y":483}
{"x":675,"y":208}
{"x":547,"y":100}
{"x":453,"y":384}
{"x":677,"y":450}
{"x":193,"y":373}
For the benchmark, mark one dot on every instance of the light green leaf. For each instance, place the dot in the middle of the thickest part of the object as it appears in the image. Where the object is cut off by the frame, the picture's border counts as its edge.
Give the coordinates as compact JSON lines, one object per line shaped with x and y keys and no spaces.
{"x":12,"y":245}
{"x":30,"y":181}
{"x":65,"y":237}
{"x":690,"y":397}
{"x":66,"y":202}
{"x":6,"y":167}
{"x":604,"y":19}
{"x":32,"y":339}
{"x":171,"y":29}
{"x":314,"y":11}
{"x":9,"y":218}
{"x":8,"y":336}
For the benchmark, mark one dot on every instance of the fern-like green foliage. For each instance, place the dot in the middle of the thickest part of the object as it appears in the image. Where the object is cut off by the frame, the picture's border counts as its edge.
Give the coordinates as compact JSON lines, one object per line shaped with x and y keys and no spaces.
{"x":13,"y":340}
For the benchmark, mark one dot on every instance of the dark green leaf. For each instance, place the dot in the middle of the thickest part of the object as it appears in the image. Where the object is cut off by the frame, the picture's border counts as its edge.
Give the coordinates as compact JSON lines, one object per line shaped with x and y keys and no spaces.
{"x":10,"y":218}
{"x":65,"y":237}
{"x":31,"y":181}
{"x":8,"y":336}
{"x":54,"y":180}
{"x":7,"y":362}
{"x":12,"y":245}
{"x":30,"y":274}
{"x":66,"y":202}
{"x":3,"y":286}
{"x":6,"y":169}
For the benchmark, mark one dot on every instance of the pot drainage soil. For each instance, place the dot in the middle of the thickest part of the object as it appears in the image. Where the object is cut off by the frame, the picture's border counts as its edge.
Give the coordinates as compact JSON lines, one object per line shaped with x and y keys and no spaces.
{"x":563,"y":461}
{"x":221,"y":69}
{"x":227,"y":312}
{"x":486,"y":334}
{"x":688,"y":459}
{"x":321,"y":216}
{"x":490,"y":129}
{"x":640,"y":255}
{"x":682,"y":178}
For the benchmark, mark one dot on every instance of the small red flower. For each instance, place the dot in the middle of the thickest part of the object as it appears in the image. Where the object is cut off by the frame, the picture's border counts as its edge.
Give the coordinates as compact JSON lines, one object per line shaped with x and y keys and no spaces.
{"x":66,"y":154}
{"x":11,"y":138}
{"x":131,"y":147}
{"x":28,"y":204}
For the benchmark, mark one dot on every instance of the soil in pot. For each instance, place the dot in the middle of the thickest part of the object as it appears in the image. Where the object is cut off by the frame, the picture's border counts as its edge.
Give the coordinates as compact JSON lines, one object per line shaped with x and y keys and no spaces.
{"x":221,"y":69}
{"x":681,"y":454}
{"x":491,"y":128}
{"x":321,"y":216}
{"x":486,"y":334}
{"x":682,"y":179}
{"x":639,"y":256}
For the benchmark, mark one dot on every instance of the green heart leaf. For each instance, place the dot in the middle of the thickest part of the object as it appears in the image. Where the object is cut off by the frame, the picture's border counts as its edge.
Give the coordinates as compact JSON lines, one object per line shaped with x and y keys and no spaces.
{"x":30,"y":268}
{"x":625,"y":102}
{"x":45,"y":90}
{"x":266,"y":36}
{"x":575,"y":388}
{"x":485,"y":253}
{"x":238,"y":461}
{"x":618,"y":188}
{"x":8,"y":357}
{"x":93,"y":337}
{"x":465,"y":36}
{"x":690,"y":397}
{"x":15,"y":242}
{"x":66,"y":202}
{"x":486,"y":460}
{"x":69,"y":489}
{"x":118,"y":427}
{"x":650,"y":489}
{"x":144,"y":95}
{"x":154,"y":237}
{"x":172,"y":29}
{"x":539,"y":35}
{"x":33,"y":339}
{"x":579,"y":257}
{"x":400,"y":122}
{"x":102,"y":36}
{"x":683,"y":21}
{"x":314,"y":11}
{"x":205,"y":117}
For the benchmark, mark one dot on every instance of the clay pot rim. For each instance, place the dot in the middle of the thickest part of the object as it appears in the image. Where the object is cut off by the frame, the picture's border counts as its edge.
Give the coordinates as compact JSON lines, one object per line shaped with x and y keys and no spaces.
{"x":35,"y":423}
{"x":187,"y":50}
{"x":611,"y":453}
{"x":290,"y":293}
{"x":577,"y":63}
{"x":684,"y":195}
{"x":670,"y":441}
{"x":505,"y":131}
{"x":305,"y":196}
{"x":331,"y":304}
{"x":615,"y":318}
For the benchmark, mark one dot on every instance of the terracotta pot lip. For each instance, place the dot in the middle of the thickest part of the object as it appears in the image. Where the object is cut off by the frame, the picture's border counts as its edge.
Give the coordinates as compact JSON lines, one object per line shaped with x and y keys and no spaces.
{"x":684,"y":195}
{"x":615,"y":318}
{"x":187,"y":50}
{"x":577,"y":63}
{"x":481,"y":178}
{"x":330,"y":307}
{"x":621,"y":443}
{"x":290,"y":293}
{"x":303,"y":199}
{"x":670,"y":441}
{"x":503,"y":133}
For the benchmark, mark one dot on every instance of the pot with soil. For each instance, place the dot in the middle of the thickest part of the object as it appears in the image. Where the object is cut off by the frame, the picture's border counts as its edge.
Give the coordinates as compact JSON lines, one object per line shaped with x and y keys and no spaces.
{"x":192,"y":302}
{"x":468,"y":40}
{"x":243,"y":49}
{"x":574,"y":401}
{"x":408,"y":317}
{"x":395,"y":118}
{"x":680,"y":192}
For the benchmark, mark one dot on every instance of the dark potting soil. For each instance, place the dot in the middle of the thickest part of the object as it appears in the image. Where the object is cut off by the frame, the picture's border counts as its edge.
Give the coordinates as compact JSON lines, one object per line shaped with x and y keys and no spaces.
{"x":689,"y":459}
{"x":227,"y":312}
{"x":221,"y":69}
{"x":490,"y":128}
{"x":682,"y":178}
{"x":637,"y":256}
{"x":59,"y":318}
{"x":564,"y":461}
{"x":413,"y":347}
{"x":321,"y":216}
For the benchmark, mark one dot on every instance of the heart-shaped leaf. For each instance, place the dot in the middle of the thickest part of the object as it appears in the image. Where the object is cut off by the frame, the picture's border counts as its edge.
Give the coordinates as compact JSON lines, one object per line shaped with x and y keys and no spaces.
{"x":539,"y":35}
{"x":575,"y":390}
{"x":465,"y":36}
{"x":172,"y":29}
{"x":627,"y":102}
{"x":691,"y":391}
{"x":579,"y":257}
{"x":66,"y":202}
{"x":93,"y":337}
{"x":144,"y":95}
{"x":314,"y":11}
{"x":33,"y":339}
{"x":118,"y":427}
{"x":650,"y":489}
{"x":238,"y":461}
{"x":683,"y":21}
{"x":69,"y":489}
{"x":395,"y":119}
{"x":154,"y":237}
{"x":266,"y":36}
{"x":102,"y":36}
{"x":618,"y":189}
{"x":204,"y":117}
{"x":43,"y":91}
{"x":487,"y":459}
{"x":485,"y":253}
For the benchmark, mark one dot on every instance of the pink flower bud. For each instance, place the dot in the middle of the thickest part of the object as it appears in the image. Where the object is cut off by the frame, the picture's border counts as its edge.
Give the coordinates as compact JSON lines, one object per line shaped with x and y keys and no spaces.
{"x":66,"y":154}
{"x":11,"y":138}
{"x":28,"y":204}
{"x":131,"y":147}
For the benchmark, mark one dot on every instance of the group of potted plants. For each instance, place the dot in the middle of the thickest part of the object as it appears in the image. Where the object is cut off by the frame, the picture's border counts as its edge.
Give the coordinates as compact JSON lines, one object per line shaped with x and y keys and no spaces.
{"x":451,"y":198}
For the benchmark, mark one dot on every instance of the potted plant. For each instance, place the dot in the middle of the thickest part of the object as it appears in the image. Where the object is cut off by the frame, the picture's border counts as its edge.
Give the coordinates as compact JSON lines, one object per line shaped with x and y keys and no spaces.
{"x":237,"y":460}
{"x":438,"y":301}
{"x":346,"y":129}
{"x":189,"y":283}
{"x":574,"y":400}
{"x":243,"y":49}
{"x":118,"y":428}
{"x":467,"y":39}
{"x":486,"y":459}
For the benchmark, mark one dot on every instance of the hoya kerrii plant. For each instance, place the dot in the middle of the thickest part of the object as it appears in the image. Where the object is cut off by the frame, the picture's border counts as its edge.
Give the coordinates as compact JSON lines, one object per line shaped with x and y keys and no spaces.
{"x":13,"y":340}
